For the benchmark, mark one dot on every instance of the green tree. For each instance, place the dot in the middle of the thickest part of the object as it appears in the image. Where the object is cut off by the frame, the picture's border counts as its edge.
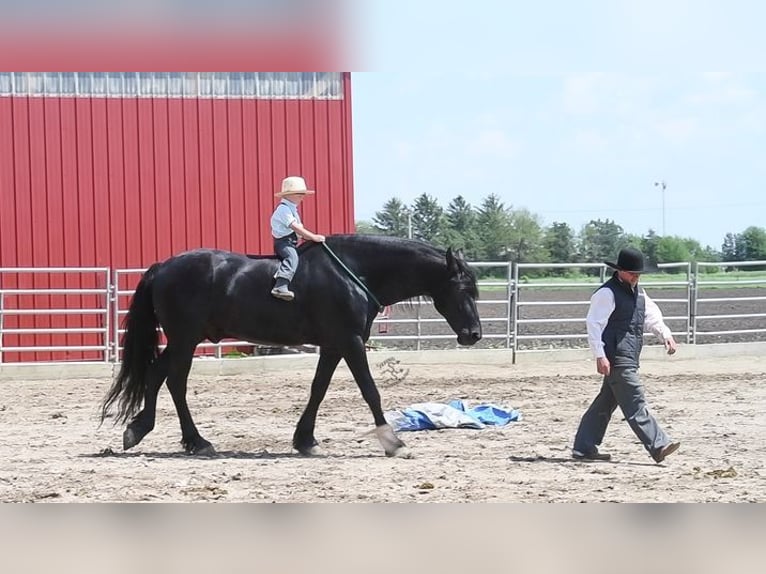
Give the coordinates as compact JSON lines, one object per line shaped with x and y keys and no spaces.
{"x":428,"y":221}
{"x":649,"y":243}
{"x":709,"y":254}
{"x":494,"y":230}
{"x":392,"y":219}
{"x":366,"y":228}
{"x":461,"y":228}
{"x":671,"y":249}
{"x":729,"y":247}
{"x":559,"y":241}
{"x":699,"y":253}
{"x":601,"y":240}
{"x":751,"y":243}
{"x":526,"y":243}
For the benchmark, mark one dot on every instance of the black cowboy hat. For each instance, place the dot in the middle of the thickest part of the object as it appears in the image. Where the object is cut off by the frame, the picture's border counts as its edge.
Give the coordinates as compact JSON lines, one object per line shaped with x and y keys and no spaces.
{"x":630,"y":259}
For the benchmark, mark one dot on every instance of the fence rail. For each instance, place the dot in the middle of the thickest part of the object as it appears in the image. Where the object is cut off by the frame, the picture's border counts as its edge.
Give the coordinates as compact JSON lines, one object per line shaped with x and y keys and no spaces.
{"x":54,"y":314}
{"x":66,"y":314}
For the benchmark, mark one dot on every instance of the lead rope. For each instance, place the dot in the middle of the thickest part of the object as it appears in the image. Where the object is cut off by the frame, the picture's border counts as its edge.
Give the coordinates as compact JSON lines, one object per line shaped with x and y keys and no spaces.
{"x":354,"y":277}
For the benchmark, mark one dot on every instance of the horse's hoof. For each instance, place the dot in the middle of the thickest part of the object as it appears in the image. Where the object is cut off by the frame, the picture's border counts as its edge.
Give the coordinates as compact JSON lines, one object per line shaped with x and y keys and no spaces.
{"x":129,"y":439}
{"x":306,"y":446}
{"x":199,"y":447}
{"x":391,"y":443}
{"x":402,"y":452}
{"x":207,"y":450}
{"x":312,"y":450}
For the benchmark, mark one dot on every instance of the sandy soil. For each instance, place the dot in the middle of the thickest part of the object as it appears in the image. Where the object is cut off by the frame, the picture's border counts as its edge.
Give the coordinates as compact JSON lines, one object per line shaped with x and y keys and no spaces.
{"x":53,"y":450}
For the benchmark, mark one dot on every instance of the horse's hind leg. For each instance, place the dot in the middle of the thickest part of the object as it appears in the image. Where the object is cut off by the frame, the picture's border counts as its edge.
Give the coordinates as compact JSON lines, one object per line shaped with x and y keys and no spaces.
{"x":356,"y":358}
{"x":143,"y":423}
{"x":303,"y":438}
{"x":178,"y":374}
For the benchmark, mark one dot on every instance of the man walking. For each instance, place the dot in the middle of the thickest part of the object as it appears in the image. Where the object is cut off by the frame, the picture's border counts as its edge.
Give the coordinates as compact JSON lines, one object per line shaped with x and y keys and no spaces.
{"x":618,"y":314}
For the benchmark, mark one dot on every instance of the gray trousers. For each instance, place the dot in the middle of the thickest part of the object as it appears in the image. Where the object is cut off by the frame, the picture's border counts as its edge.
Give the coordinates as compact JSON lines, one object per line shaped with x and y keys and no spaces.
{"x":285,"y":248}
{"x":624,"y":389}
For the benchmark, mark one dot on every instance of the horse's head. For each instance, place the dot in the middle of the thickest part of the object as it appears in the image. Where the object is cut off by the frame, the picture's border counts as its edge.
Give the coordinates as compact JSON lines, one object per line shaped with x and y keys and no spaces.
{"x":455,"y":298}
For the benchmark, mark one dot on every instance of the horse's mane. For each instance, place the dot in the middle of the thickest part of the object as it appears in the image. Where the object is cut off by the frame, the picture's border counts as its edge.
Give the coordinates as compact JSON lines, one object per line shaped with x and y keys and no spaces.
{"x":251,"y":256}
{"x":382,"y":241}
{"x":351,"y":237}
{"x":385,"y":241}
{"x":302,"y":248}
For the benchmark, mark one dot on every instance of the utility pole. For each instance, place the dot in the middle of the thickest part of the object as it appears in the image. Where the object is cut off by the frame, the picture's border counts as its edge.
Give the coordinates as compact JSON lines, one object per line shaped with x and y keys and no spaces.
{"x":663,"y":185}
{"x":409,"y":222}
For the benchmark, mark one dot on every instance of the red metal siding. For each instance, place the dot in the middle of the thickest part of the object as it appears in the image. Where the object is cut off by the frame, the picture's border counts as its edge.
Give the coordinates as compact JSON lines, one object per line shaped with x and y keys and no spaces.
{"x":121,"y":183}
{"x":70,"y":216}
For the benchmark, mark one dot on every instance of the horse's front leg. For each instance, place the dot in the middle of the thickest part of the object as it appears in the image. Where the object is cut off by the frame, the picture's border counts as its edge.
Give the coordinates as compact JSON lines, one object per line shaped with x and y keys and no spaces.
{"x":303,"y":438}
{"x":356,"y":357}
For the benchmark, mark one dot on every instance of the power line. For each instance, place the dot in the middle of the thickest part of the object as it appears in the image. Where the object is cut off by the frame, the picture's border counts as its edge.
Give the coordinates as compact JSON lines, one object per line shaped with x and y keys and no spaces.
{"x":684,"y":207}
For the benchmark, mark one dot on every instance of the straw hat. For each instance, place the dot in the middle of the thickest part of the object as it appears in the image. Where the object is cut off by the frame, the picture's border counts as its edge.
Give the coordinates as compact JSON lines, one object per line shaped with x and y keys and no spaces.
{"x":294,"y":185}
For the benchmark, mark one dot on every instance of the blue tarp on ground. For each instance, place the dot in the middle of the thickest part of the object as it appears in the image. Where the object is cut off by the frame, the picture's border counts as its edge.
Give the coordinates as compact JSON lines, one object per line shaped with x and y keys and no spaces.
{"x":431,"y":416}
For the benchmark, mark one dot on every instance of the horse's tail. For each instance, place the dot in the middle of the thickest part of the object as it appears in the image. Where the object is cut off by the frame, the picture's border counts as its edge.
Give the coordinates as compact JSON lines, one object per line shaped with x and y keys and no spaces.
{"x":139,"y":345}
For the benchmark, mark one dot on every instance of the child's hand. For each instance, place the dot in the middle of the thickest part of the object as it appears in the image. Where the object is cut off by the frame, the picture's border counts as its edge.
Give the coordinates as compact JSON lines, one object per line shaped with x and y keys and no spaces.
{"x":318,"y":238}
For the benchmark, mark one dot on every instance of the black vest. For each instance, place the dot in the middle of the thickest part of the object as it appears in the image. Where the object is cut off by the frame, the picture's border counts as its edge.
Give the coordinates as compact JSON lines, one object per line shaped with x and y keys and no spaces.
{"x":623,"y":336}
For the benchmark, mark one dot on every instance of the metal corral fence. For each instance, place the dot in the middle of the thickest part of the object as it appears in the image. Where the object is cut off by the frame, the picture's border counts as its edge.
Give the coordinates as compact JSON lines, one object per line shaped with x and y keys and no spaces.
{"x":706,"y":325}
{"x":55,"y":314}
{"x":75,"y":314}
{"x":543,"y":318}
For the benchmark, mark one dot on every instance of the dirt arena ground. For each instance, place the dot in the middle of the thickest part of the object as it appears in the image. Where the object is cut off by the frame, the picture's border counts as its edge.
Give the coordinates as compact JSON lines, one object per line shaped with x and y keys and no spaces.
{"x":53,"y":450}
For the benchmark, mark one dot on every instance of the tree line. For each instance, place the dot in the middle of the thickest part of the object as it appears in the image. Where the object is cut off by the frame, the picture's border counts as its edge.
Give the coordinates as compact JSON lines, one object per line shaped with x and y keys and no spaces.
{"x":493,"y":231}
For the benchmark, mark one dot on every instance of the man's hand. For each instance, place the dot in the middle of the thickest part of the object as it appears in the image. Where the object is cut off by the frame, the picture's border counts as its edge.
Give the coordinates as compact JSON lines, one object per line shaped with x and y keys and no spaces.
{"x":603,"y":367}
{"x":318,"y":238}
{"x":670,"y":345}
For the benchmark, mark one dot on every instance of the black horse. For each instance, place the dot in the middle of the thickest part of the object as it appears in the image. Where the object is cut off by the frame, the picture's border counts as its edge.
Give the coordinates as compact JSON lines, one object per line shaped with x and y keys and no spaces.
{"x":211,"y":294}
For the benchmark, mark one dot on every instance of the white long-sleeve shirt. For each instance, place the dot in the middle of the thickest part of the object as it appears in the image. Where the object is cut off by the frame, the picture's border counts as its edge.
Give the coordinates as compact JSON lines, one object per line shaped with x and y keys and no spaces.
{"x":601,"y":307}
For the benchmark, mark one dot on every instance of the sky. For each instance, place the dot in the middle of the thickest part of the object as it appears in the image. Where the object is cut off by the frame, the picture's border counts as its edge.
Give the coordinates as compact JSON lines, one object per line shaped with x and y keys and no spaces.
{"x":572,"y":110}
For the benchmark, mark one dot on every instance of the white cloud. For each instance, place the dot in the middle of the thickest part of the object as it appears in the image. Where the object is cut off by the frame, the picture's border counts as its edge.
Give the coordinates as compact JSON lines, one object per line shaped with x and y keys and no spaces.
{"x":493,"y":143}
{"x":589,"y":141}
{"x":404,"y":150}
{"x":582,"y":93}
{"x":607,"y":94}
{"x":679,"y":130}
{"x":634,"y":112}
{"x":716,"y":76}
{"x":725,"y":94}
{"x":729,"y":104}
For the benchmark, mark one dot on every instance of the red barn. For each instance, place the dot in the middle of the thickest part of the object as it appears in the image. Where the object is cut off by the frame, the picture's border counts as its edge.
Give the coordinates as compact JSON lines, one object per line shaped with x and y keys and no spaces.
{"x":117,"y":170}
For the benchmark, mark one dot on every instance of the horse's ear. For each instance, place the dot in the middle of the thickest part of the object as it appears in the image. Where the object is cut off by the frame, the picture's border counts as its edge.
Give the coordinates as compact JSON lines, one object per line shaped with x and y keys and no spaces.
{"x":452,"y":264}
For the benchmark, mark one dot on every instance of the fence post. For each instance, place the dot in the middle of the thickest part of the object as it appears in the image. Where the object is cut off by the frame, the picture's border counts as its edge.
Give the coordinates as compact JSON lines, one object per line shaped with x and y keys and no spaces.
{"x":116,"y":317}
{"x":515,"y":309}
{"x":109,"y":296}
{"x":418,"y":326}
{"x":692,"y":338}
{"x":510,"y":302}
{"x":2,"y":295}
{"x":689,"y":291}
